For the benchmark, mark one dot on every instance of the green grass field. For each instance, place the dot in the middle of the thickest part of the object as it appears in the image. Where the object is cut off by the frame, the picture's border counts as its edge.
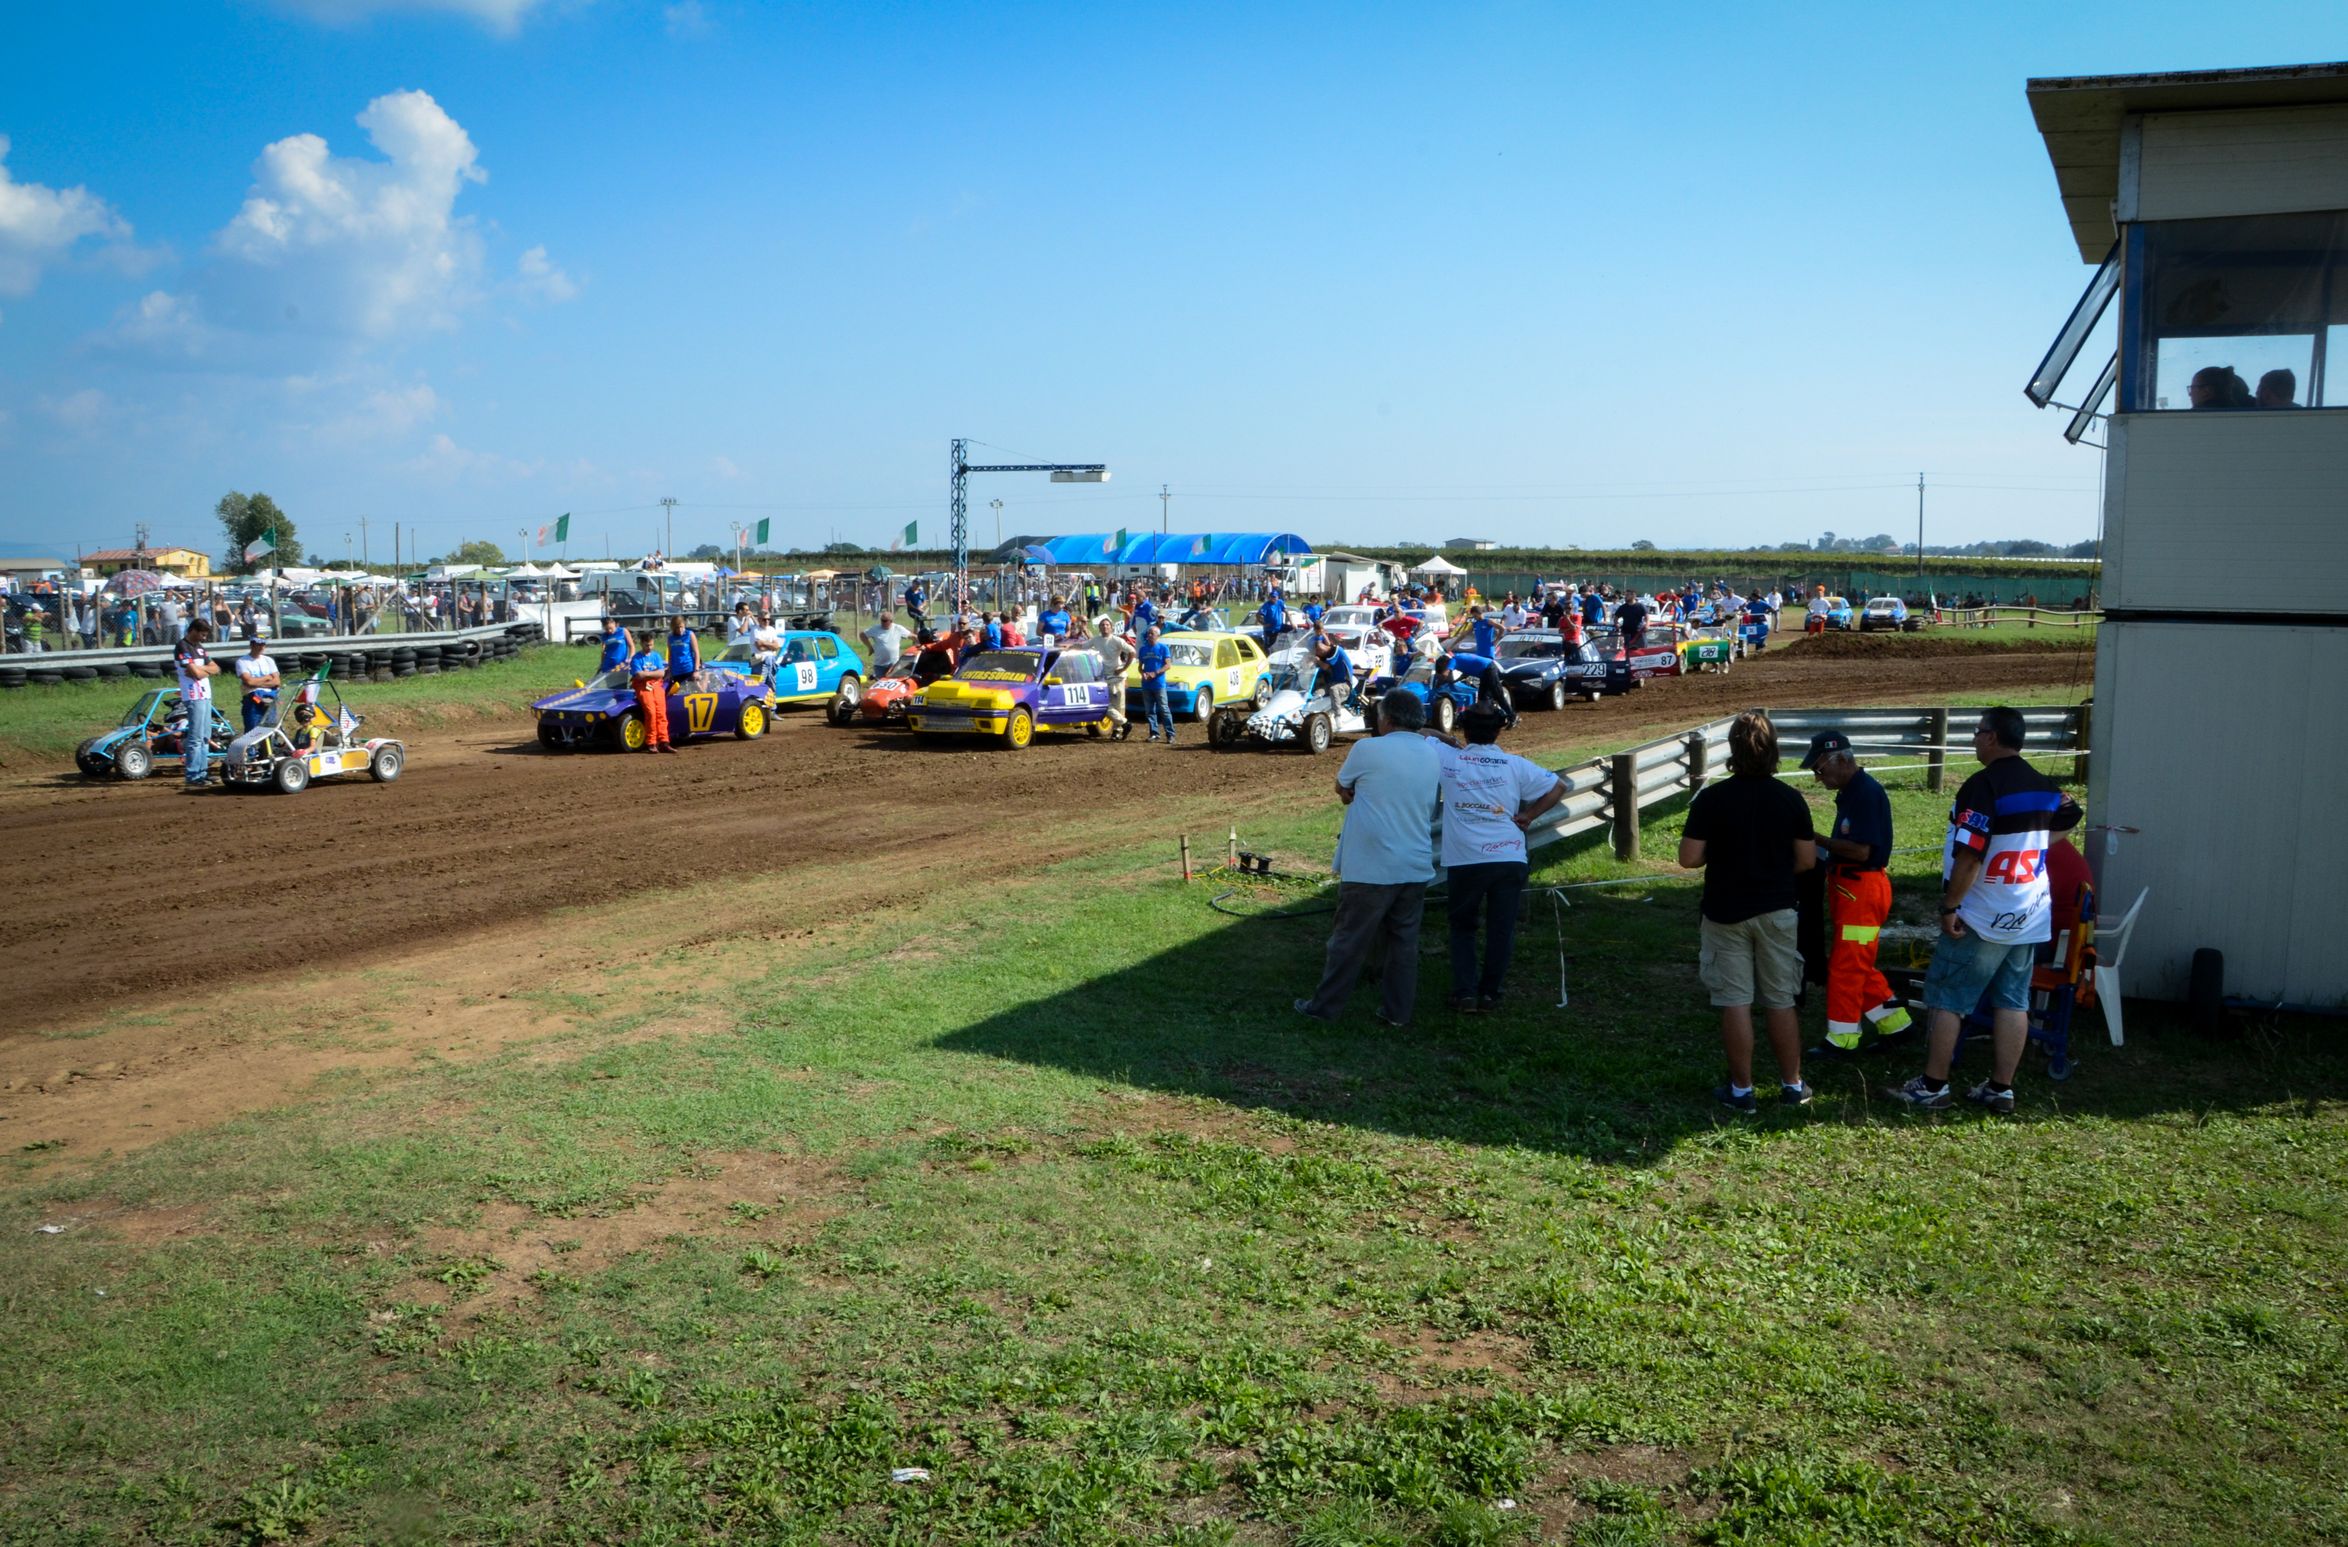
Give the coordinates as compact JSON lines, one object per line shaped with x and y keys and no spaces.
{"x":1042,"y":1189}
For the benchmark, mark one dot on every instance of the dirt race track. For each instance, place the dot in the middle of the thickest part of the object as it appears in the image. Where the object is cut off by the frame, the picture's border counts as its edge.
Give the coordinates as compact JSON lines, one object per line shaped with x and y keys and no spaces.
{"x":105,"y":888}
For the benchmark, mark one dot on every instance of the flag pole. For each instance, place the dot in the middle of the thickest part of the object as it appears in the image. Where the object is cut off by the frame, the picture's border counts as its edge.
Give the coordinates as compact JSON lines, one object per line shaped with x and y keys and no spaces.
{"x":276,"y":588}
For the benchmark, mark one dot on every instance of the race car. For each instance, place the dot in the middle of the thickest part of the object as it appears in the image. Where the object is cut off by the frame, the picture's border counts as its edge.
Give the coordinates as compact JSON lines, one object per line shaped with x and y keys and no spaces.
{"x":1708,"y":648}
{"x":1838,"y":611}
{"x":815,"y":666}
{"x":890,"y":693}
{"x":1294,"y":715}
{"x":1887,"y":612}
{"x":1201,"y":668}
{"x":154,"y":727}
{"x":311,"y":734}
{"x":1443,"y":708}
{"x":1371,"y":648}
{"x":604,"y":712}
{"x":1015,"y":695}
{"x":1657,"y":654}
{"x":1543,"y":669}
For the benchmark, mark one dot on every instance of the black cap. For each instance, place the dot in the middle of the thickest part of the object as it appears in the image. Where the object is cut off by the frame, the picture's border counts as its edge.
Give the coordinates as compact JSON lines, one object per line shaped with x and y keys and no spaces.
{"x":1823,"y":746}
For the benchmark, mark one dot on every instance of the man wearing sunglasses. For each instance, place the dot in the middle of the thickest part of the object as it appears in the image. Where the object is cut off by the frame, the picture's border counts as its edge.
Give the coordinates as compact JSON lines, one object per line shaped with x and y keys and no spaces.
{"x":1996,"y":909}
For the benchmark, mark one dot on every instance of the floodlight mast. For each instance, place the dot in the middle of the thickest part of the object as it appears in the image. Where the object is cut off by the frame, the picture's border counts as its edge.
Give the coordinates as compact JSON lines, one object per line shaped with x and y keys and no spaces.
{"x":1062,"y":472}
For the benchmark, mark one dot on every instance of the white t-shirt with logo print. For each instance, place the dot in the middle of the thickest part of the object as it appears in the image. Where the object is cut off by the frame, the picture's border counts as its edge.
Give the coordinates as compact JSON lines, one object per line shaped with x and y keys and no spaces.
{"x":1483,"y":789}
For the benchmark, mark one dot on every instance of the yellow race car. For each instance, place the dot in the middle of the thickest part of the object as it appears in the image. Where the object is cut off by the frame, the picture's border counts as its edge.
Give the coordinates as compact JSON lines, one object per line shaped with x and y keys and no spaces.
{"x":1204,"y":669}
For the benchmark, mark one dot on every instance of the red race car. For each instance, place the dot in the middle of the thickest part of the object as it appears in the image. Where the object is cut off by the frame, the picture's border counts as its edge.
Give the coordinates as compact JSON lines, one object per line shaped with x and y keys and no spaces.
{"x":887,"y":694}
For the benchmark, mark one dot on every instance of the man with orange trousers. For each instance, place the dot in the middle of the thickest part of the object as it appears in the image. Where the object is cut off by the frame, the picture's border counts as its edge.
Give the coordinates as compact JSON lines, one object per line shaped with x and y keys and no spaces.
{"x":648,"y":674}
{"x":1860,"y":1006}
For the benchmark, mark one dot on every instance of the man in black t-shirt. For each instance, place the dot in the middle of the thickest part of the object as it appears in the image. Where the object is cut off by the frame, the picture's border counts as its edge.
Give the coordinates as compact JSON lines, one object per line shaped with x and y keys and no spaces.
{"x":1751,"y":835}
{"x":1631,"y":619}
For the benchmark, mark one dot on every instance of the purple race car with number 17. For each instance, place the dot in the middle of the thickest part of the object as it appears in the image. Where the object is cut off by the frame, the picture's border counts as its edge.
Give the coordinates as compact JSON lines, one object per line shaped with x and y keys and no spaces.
{"x":604,"y":712}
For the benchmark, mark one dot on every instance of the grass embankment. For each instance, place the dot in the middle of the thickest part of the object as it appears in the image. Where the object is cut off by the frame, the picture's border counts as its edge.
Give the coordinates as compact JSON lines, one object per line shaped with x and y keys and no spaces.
{"x":1044,"y":1190}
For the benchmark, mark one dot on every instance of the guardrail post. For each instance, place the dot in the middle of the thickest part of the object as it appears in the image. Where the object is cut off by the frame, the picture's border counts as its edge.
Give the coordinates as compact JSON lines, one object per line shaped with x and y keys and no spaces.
{"x":1936,"y":761}
{"x":1698,"y":754}
{"x":1622,"y":793}
{"x":2084,"y":745}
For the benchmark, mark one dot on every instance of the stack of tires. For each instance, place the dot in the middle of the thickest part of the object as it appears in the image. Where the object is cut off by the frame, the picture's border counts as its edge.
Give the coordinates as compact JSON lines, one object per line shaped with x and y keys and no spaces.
{"x":403,"y":661}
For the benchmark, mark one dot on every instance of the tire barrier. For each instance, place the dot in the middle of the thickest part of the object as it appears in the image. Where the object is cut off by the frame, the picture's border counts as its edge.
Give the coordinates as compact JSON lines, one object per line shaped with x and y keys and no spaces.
{"x":11,"y":677}
{"x":355,"y":658}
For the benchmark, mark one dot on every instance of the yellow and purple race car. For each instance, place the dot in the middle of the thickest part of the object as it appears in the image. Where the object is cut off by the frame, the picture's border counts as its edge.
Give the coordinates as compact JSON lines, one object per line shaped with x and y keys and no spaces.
{"x":1015,"y":695}
{"x":604,"y":712}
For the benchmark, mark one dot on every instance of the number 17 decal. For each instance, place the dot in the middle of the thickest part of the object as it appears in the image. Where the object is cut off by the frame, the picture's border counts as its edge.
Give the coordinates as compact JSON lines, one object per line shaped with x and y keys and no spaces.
{"x":700,"y":712}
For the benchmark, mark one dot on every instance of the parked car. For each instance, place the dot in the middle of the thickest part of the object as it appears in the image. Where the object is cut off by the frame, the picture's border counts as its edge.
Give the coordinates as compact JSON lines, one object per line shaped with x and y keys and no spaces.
{"x":153,"y":729}
{"x":1544,"y":669}
{"x":309,"y":734}
{"x":1015,"y":695}
{"x":1838,"y":612}
{"x":815,"y":666}
{"x":1443,"y":708}
{"x":1202,"y":668}
{"x":1887,"y":613}
{"x":1294,"y":714}
{"x":604,"y":712}
{"x":1714,"y":649}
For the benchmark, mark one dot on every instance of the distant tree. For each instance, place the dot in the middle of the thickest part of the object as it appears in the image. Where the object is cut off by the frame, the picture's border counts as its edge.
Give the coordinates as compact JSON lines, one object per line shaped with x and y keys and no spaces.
{"x":1825,"y":542}
{"x":2029,"y":548}
{"x":479,"y":551}
{"x":707,"y":553}
{"x":2084,"y":550}
{"x":843,"y":547}
{"x":1882,"y":542}
{"x":1642,"y":546}
{"x":245,"y":517}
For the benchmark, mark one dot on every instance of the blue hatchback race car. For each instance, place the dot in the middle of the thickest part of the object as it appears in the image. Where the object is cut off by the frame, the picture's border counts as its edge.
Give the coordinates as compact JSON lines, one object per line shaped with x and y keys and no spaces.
{"x":814,"y":666}
{"x":1443,"y":708}
{"x":604,"y":712}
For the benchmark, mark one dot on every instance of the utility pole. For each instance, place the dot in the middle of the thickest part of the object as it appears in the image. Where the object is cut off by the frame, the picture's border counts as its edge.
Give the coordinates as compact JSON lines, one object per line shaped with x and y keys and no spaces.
{"x":1919,"y":532}
{"x":362,"y":542}
{"x":1164,"y":505}
{"x":669,"y":504}
{"x":998,"y":504}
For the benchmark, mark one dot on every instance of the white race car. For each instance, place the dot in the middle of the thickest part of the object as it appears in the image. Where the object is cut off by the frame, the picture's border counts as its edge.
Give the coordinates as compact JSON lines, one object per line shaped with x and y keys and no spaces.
{"x":1371,"y":647}
{"x":1291,"y":717}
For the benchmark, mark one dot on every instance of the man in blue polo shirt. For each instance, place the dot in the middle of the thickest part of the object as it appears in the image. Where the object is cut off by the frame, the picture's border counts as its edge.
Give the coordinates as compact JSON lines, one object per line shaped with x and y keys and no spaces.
{"x":1273,"y":615}
{"x":1461,"y":665}
{"x":1151,"y":658}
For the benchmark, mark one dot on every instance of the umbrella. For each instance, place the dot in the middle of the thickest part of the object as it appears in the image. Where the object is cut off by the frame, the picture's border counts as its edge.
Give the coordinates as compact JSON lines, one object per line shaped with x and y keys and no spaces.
{"x":135,"y":582}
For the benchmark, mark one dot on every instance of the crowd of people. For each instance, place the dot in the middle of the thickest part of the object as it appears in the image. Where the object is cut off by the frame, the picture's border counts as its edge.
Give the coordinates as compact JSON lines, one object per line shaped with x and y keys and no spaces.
{"x":2009,"y":883}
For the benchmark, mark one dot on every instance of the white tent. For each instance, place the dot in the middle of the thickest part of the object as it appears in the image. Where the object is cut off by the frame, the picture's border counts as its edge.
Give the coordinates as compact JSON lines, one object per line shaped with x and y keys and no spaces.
{"x":557,"y":572}
{"x":525,"y":572}
{"x":1436,"y":564}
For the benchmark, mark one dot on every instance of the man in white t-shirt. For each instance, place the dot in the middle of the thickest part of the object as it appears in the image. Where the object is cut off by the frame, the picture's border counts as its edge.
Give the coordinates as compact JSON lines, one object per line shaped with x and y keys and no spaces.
{"x":884,"y":642}
{"x":1385,"y":858}
{"x":1489,"y":798}
{"x":766,"y":643}
{"x":257,"y":681}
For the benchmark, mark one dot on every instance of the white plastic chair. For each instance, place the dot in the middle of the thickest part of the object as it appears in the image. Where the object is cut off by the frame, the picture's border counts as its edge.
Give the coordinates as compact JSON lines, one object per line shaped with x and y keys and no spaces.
{"x":2110,"y":946}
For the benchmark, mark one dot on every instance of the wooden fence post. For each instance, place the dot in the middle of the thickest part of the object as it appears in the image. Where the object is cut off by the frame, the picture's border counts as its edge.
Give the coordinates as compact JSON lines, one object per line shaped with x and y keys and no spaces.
{"x":1622,"y":792}
{"x":1698,"y":754}
{"x":1936,"y":761}
{"x":2085,"y":745}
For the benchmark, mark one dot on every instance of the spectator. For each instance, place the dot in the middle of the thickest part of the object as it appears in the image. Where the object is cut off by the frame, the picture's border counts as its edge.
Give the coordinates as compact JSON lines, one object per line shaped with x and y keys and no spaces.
{"x":196,"y":672}
{"x":2278,"y":389}
{"x":1860,"y":1006}
{"x":741,"y":626}
{"x":684,"y":652}
{"x":85,"y":622}
{"x":1273,"y":615}
{"x":648,"y":674}
{"x":1750,"y":834}
{"x":1631,"y":619}
{"x":1151,"y":658}
{"x":884,"y":642}
{"x":1116,"y":653}
{"x":1053,"y":624}
{"x":1995,"y":910}
{"x":1389,"y":785}
{"x":1490,"y":798}
{"x":256,"y":676}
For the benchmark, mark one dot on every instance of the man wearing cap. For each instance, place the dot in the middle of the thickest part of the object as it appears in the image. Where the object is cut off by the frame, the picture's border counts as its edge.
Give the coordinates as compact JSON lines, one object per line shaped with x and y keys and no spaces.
{"x":1860,"y":1006}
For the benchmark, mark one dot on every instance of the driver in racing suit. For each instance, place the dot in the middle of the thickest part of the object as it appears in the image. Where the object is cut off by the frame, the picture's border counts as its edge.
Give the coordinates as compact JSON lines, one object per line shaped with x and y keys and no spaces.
{"x":649,"y":675}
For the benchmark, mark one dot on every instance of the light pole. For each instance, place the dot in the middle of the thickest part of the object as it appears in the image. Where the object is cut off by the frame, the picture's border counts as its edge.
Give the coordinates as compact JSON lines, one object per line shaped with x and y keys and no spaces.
{"x":1165,"y":498}
{"x":668,"y":550}
{"x":998,"y":504}
{"x":959,"y":502}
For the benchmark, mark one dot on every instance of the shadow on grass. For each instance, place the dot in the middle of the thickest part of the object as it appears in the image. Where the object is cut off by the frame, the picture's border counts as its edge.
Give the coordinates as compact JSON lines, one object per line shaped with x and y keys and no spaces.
{"x":1621,"y":1074}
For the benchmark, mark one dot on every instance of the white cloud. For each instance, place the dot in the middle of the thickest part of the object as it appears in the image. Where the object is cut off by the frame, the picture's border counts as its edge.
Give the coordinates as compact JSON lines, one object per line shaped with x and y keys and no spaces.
{"x":724,"y":467}
{"x":40,"y":225}
{"x":504,"y":17}
{"x":686,"y":19}
{"x":352,"y":246}
{"x":78,"y":412}
{"x":160,"y":323}
{"x":444,"y":461}
{"x":541,"y":278}
{"x":366,"y":415}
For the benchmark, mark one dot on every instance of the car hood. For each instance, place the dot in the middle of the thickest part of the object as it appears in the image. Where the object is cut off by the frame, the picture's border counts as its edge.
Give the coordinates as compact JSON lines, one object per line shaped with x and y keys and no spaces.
{"x":600,"y":699}
{"x":953,"y":691}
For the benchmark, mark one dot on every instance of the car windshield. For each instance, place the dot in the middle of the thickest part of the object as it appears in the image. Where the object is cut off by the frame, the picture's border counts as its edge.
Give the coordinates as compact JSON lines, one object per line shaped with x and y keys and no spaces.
{"x":1000,"y":666}
{"x":149,"y":705}
{"x":1289,"y":674}
{"x":1520,"y":647}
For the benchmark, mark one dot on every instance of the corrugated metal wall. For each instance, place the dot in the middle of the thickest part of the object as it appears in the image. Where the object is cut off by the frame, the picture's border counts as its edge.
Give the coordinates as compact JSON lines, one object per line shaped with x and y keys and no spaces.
{"x":2228,"y":512}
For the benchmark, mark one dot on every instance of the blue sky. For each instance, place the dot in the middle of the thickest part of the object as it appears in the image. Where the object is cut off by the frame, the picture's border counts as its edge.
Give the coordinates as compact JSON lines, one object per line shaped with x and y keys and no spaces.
{"x":1545,"y":273}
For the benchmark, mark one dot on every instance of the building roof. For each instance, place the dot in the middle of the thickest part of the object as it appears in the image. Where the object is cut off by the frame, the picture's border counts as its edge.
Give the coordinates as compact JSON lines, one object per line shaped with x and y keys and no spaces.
{"x":2080,"y":115}
{"x":132,"y":555}
{"x":32,"y":566}
{"x":1241,"y":548}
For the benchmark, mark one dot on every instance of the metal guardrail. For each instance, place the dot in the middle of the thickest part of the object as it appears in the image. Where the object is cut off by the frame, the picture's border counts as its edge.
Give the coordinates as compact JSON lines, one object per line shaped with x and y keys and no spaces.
{"x":2034,"y":617}
{"x":1610,"y":792}
{"x":378,"y":652}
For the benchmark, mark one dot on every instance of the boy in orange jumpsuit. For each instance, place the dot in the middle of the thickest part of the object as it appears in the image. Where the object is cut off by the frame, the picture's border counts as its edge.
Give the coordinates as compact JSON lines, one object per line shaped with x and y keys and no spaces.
{"x":648,"y":674}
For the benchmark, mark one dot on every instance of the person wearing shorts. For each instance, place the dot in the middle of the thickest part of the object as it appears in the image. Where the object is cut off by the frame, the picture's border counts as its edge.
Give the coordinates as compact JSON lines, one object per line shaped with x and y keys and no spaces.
{"x":1996,"y":910}
{"x":1751,"y":835}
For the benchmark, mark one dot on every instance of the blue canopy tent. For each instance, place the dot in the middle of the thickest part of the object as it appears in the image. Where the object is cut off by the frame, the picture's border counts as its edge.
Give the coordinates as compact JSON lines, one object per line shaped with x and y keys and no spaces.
{"x":1240,"y":549}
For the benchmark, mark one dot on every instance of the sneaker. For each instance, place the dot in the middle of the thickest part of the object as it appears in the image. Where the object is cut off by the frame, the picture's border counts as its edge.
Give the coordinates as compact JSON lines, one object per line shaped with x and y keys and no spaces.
{"x":1488,"y":1004}
{"x":1748,"y":1103}
{"x":1382,"y":1019}
{"x":1152,"y":736}
{"x":1998,"y":1101}
{"x":1304,"y":1007}
{"x":1794,"y":1095}
{"x":1827,"y":1052}
{"x":1919,"y":1096}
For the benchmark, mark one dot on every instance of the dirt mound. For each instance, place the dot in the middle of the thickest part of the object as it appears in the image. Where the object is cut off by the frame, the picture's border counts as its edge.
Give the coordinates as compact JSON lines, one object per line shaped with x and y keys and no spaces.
{"x":1937,"y":644}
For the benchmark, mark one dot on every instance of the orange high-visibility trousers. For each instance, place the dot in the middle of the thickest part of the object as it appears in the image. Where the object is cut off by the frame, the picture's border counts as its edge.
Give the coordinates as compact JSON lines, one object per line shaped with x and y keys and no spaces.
{"x":1858,"y":997}
{"x":654,"y":701}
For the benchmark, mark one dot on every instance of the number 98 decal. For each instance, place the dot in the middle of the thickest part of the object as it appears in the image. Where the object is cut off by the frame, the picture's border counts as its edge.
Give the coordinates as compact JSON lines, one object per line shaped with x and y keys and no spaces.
{"x":803,"y":675}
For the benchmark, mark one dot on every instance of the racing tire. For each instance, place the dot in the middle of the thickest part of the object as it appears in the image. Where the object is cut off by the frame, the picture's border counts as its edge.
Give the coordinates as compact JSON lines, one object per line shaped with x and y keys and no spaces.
{"x":81,"y":673}
{"x":1224,"y":733}
{"x":1315,"y":735}
{"x":752,"y":725}
{"x":1446,"y":714}
{"x":1370,"y":718}
{"x":1263,"y":692}
{"x":385,"y":766}
{"x":846,"y":700}
{"x":1018,"y":731}
{"x":291,"y":776}
{"x":629,"y":732}
{"x":91,"y":767}
{"x":133,"y":761}
{"x":1557,"y":694}
{"x":1202,"y":708}
{"x":551,"y":739}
